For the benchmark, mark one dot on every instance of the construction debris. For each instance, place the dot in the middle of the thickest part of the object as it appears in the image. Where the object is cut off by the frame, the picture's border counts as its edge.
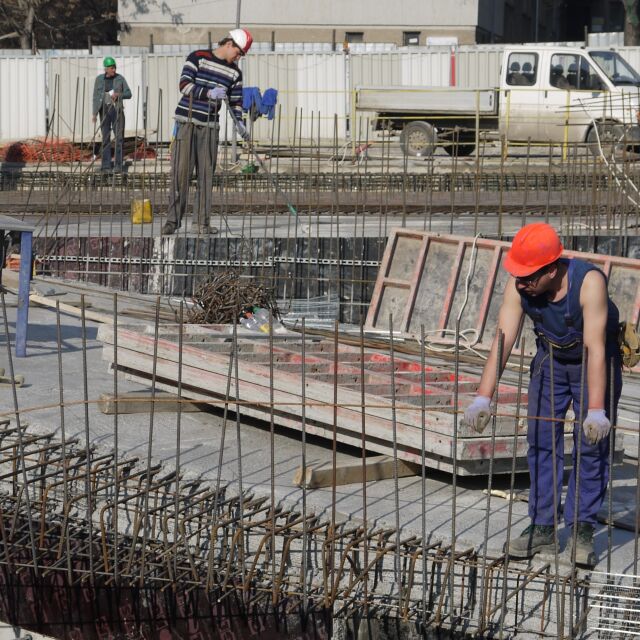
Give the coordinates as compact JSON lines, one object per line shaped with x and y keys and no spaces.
{"x":221,"y":298}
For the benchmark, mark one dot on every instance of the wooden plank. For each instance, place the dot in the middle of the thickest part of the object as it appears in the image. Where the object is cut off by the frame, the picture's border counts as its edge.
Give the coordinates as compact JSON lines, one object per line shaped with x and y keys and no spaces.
{"x":375,"y":468}
{"x":141,"y":401}
{"x":70,"y":309}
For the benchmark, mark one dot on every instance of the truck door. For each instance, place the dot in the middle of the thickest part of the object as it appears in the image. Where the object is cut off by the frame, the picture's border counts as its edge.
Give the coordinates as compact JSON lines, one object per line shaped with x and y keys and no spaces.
{"x":572,"y":98}
{"x":519,"y":110}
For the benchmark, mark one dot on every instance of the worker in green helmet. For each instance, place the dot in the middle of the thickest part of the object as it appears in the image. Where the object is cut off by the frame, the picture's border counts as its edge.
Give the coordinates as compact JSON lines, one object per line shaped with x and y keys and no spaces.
{"x":109,"y":90}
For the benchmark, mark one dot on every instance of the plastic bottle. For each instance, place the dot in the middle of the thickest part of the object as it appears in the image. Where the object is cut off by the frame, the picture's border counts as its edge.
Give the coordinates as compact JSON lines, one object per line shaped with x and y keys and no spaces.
{"x":250,"y":323}
{"x":262,"y":319}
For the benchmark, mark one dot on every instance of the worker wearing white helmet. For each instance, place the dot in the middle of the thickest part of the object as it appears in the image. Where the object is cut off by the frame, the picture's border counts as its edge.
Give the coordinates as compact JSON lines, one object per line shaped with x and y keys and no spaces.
{"x":208,"y":78}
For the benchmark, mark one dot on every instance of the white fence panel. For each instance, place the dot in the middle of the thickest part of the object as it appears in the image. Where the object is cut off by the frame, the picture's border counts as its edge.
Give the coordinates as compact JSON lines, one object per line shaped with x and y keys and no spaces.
{"x":478,"y":67}
{"x":631,"y":55}
{"x":163,"y":76}
{"x":322,"y":89}
{"x":22,"y":98}
{"x":311,"y":88}
{"x":426,"y":68}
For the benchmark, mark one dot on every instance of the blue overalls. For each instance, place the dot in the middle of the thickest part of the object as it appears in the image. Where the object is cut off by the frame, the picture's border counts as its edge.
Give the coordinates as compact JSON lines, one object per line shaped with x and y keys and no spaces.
{"x":560,"y":323}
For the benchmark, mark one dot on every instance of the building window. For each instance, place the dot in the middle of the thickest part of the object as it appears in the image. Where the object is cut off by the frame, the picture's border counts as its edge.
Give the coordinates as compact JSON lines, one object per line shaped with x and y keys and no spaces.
{"x":353,"y":37}
{"x":616,"y":16}
{"x":410,"y":38}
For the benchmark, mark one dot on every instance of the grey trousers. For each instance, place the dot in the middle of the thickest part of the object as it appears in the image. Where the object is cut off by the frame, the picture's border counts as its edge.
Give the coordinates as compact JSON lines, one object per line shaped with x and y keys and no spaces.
{"x":195,"y":147}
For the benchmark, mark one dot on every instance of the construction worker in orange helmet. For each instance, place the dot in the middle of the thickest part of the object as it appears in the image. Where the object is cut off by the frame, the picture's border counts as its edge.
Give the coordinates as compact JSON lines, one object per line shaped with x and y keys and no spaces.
{"x":568,"y":302}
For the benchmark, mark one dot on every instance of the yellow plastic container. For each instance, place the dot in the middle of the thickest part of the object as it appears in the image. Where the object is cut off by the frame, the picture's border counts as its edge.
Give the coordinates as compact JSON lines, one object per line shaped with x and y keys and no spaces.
{"x":141,"y":211}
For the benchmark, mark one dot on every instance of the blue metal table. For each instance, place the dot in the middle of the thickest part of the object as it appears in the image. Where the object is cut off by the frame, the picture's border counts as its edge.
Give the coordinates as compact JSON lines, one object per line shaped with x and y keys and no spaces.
{"x":8,"y":224}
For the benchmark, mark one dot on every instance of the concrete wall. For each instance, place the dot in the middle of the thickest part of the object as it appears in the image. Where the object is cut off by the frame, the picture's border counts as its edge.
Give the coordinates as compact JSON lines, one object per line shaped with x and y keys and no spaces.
{"x":310,"y":13}
{"x":140,"y":35}
{"x":299,"y":20}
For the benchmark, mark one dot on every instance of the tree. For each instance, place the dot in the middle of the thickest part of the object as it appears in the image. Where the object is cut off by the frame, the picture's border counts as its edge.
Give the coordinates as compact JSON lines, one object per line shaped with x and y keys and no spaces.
{"x":631,"y":22}
{"x":58,"y":24}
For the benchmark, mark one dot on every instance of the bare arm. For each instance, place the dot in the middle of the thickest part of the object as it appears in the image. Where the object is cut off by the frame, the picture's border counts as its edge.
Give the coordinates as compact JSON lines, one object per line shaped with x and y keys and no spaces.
{"x":594,"y":302}
{"x":509,"y":319}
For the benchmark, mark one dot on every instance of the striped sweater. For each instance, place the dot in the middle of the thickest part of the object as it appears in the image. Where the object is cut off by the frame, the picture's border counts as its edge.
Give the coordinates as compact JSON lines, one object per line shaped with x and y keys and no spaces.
{"x":203,"y":71}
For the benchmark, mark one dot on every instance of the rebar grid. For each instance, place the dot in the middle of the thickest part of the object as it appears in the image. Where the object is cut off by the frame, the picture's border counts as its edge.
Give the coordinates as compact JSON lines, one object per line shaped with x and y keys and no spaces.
{"x":199,"y":528}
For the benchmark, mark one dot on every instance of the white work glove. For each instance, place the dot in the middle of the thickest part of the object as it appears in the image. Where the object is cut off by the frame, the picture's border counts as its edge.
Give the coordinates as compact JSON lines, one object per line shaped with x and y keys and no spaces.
{"x":596,"y":426}
{"x":217,"y":93}
{"x":478,"y":413}
{"x":242,"y":131}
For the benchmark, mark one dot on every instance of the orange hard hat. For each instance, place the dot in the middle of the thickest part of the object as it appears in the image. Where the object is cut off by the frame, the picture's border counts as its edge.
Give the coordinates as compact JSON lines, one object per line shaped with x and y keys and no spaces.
{"x":534,"y":246}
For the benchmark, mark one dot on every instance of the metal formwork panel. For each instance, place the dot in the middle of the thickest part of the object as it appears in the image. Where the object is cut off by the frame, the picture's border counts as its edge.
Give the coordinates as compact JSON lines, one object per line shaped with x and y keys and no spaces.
{"x":70,"y":81}
{"x":424,"y":279}
{"x":22,"y":97}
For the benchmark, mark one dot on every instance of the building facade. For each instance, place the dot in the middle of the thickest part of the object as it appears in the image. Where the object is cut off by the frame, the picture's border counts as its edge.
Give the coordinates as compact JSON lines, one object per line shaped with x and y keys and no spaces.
{"x":404,"y":23}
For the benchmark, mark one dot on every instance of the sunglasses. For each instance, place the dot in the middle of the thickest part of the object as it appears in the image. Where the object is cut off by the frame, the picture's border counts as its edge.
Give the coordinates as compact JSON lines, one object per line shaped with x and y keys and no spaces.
{"x":532,"y":278}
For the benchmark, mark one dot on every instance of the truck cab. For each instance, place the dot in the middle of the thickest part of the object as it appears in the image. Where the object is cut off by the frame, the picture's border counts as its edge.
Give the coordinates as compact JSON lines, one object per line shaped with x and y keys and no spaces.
{"x":568,"y":95}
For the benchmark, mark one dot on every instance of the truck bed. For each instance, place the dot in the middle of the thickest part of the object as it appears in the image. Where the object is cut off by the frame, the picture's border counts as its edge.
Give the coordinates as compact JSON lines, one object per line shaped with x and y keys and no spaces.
{"x":428,"y":100}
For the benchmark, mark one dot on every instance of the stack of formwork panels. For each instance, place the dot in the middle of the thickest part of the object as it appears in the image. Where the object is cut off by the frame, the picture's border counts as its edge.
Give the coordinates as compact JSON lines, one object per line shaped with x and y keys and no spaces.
{"x":330,"y":390}
{"x":429,"y":288}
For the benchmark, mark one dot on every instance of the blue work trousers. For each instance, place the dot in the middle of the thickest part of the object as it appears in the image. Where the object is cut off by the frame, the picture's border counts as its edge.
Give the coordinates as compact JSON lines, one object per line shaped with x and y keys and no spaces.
{"x":112,"y":119}
{"x":594,"y":459}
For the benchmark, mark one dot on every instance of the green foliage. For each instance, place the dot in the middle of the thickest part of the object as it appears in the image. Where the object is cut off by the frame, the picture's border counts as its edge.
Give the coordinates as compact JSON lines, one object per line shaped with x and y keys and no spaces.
{"x":59,"y":24}
{"x":631,"y":8}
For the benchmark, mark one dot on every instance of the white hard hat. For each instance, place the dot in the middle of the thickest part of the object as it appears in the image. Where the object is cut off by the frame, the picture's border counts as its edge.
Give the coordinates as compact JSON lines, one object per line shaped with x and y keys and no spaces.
{"x":242,"y":38}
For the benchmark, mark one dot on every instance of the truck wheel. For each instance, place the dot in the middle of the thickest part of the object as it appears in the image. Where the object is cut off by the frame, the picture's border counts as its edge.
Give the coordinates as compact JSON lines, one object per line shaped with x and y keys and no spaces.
{"x":459,"y":150}
{"x":418,"y":139}
{"x":605,"y":138}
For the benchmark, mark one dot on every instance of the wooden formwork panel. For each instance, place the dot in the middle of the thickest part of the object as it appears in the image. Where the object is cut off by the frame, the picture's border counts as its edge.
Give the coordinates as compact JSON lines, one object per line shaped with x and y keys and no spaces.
{"x":343,"y":390}
{"x":424,"y":279}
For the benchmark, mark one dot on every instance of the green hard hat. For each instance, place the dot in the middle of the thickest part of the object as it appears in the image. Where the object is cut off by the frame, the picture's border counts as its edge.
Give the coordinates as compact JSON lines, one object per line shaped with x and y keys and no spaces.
{"x":108,"y":62}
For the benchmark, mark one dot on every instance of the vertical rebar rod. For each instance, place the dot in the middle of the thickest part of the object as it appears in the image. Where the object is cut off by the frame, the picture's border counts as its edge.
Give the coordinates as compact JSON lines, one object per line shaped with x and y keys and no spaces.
{"x":272,"y":462}
{"x":152,"y":413}
{"x":63,"y":440}
{"x":116,"y":442}
{"x":394,"y":436}
{"x":512,"y":477}
{"x":494,"y":418}
{"x":423,"y":471}
{"x":303,"y":465}
{"x":612,"y":441}
{"x":176,"y":497}
{"x":577,"y":430}
{"x":334,"y":450}
{"x":363,"y":454}
{"x":554,"y":456}
{"x":236,"y":366}
{"x":87,"y":435}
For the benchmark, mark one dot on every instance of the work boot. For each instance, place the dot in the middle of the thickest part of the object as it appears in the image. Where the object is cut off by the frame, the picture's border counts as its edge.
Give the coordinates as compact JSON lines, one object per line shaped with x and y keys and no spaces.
{"x":168,"y":229}
{"x":534,"y":539}
{"x":585,"y":553}
{"x":205,"y":230}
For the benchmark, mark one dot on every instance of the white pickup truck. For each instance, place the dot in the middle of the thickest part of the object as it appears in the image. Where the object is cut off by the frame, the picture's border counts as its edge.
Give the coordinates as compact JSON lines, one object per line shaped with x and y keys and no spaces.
{"x":547,"y":94}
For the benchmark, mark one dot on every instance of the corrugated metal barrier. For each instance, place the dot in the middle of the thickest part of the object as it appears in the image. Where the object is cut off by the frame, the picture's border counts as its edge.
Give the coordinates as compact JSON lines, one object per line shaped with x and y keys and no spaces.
{"x":313,"y":87}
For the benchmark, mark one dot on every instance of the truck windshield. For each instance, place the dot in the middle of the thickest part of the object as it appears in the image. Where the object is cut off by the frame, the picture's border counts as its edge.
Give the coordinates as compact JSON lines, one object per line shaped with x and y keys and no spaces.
{"x":617,"y":69}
